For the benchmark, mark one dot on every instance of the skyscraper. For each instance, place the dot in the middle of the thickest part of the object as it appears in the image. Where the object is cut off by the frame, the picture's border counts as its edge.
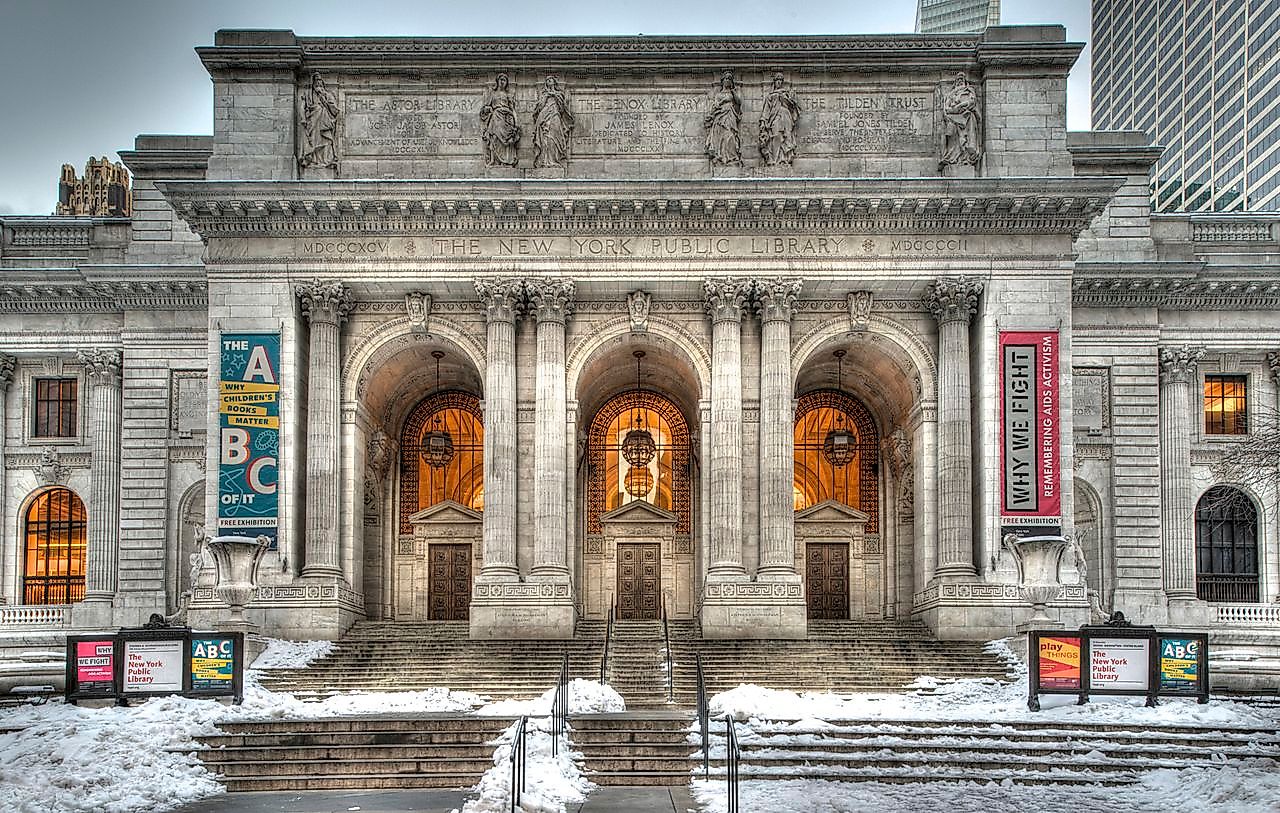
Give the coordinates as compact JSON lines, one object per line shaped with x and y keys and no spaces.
{"x":102,"y":192}
{"x":956,"y":16}
{"x":1202,"y":78}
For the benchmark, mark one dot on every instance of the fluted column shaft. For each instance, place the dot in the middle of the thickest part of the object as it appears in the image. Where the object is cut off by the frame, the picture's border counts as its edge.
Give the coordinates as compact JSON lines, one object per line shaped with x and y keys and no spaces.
{"x":102,"y":367}
{"x":725,"y":299}
{"x":326,"y":305}
{"x":1177,"y":492}
{"x":775,"y":301}
{"x":551,"y":302}
{"x":503,"y":301}
{"x":953,"y":302}
{"x":8,"y":366}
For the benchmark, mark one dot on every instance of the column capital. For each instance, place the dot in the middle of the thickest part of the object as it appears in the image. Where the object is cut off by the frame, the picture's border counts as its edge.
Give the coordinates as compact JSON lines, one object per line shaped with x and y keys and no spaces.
{"x":1178,"y":364}
{"x":101,"y":366}
{"x":324,"y":300}
{"x":550,"y":300}
{"x":1273,"y":361}
{"x":952,"y":299}
{"x":725,"y":298}
{"x":775,"y":299}
{"x":8,"y":366}
{"x":503,"y":299}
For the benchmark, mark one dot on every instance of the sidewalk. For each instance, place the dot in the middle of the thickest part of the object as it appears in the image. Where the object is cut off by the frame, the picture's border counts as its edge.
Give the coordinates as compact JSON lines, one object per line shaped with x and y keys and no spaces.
{"x":604,"y":800}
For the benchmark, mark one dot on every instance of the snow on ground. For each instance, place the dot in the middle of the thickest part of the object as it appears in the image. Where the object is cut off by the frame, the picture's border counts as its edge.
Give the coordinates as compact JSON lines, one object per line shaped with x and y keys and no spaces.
{"x":550,"y":781}
{"x":281,"y":654}
{"x":585,"y":697}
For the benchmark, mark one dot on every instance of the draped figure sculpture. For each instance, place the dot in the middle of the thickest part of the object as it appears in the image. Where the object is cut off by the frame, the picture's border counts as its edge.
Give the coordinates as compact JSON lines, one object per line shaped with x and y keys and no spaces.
{"x":962,"y":131}
{"x":319,"y":126}
{"x":724,"y":145}
{"x":778,"y":120}
{"x":552,"y":127}
{"x":498,"y":128}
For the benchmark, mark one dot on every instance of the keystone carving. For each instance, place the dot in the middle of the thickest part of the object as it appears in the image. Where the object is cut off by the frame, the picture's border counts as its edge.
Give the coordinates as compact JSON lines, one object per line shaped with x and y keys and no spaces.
{"x":638,"y":303}
{"x":1178,"y":364}
{"x":324,"y":301}
{"x":775,"y":299}
{"x":418,"y":305}
{"x":550,"y":300}
{"x":953,"y":298}
{"x":859,"y":303}
{"x":50,"y":470}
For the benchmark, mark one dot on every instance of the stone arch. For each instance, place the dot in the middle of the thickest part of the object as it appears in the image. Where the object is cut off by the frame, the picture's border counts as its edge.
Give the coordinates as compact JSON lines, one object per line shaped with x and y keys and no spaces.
{"x":372,"y":349}
{"x":69,"y":588}
{"x":663,"y":332}
{"x":1228,"y":550}
{"x":911,"y":352}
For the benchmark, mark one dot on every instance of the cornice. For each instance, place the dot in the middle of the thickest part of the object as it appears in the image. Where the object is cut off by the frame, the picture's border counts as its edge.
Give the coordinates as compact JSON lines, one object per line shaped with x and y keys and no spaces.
{"x":940,"y":205}
{"x":90,"y":291}
{"x":1179,"y":288}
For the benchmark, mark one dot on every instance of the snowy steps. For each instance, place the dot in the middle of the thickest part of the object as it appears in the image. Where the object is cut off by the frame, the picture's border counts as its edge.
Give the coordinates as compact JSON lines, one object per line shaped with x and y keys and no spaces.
{"x":634,"y":748}
{"x":373,"y":752}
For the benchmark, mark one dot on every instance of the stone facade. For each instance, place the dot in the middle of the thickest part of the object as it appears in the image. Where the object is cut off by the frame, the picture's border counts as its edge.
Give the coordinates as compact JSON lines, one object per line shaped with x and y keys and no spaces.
{"x":538,"y":226}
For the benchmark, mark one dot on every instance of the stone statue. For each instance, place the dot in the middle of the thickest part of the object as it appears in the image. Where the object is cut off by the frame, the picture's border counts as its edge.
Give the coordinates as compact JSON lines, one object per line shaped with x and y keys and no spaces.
{"x":778,"y":120}
{"x":319,"y":126}
{"x":498,"y":128}
{"x":552,"y":127}
{"x":962,"y":124}
{"x":638,"y":309}
{"x":1082,"y":566}
{"x":724,"y":145}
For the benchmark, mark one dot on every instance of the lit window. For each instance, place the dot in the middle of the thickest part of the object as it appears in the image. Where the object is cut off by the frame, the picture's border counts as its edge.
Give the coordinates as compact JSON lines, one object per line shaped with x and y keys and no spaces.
{"x":55,"y":408}
{"x":1225,"y":403}
{"x":53,"y":572}
{"x":451,"y":419}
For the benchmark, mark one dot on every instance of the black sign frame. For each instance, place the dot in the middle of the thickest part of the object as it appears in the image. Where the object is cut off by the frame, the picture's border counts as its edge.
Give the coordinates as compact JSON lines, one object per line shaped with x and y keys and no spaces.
{"x":237,"y":666}
{"x":1033,"y":665}
{"x":72,"y":688}
{"x":1201,"y":693}
{"x":1089,"y":632}
{"x":183,"y":636}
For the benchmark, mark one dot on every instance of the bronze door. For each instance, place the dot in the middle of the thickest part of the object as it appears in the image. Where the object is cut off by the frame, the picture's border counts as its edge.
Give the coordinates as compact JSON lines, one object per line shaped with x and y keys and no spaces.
{"x":639,"y":581}
{"x":449,"y":582}
{"x":827,"y":580}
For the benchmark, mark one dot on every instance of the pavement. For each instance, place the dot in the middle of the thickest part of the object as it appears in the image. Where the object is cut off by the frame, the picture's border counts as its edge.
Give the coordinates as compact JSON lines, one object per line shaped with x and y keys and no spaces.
{"x":619,"y":799}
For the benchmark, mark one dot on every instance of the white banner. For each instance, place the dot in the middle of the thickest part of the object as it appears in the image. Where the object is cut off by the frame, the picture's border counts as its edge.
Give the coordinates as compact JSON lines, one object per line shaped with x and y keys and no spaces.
{"x":153,"y":666}
{"x":1119,"y":663}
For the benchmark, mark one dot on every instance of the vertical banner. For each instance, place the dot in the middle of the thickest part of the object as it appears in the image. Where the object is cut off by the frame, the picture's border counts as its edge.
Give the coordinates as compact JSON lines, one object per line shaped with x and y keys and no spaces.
{"x":249,"y":434}
{"x":1030,"y":476}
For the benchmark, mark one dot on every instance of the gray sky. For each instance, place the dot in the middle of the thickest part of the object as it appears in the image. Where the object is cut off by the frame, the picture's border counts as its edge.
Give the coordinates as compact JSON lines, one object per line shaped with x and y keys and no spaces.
{"x":83,"y":78}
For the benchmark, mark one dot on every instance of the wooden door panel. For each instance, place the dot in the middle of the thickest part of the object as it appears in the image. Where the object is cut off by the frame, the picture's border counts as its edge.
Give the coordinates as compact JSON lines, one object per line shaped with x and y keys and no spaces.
{"x":827,"y":580}
{"x":449,"y":582}
{"x":639,"y":581}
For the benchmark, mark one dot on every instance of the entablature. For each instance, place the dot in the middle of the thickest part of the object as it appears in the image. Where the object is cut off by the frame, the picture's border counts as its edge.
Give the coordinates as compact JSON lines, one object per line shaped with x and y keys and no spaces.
{"x":103,"y":289}
{"x":1174,"y":286}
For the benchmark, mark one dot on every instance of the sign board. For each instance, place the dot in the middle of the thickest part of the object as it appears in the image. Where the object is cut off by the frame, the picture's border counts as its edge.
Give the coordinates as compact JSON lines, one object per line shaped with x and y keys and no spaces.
{"x":1030,"y":476}
{"x":91,"y":666}
{"x":154,"y":666}
{"x":1119,"y":663}
{"x":1184,"y":664}
{"x":249,"y":434}
{"x":1059,"y":662}
{"x":213,"y":664}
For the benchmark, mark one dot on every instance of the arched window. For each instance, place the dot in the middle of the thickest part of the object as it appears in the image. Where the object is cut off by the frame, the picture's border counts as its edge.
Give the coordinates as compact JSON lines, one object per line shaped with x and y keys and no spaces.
{"x":53,"y":570}
{"x":1226,"y":546}
{"x":816,"y":479}
{"x":461,"y":479}
{"x":668,"y":471}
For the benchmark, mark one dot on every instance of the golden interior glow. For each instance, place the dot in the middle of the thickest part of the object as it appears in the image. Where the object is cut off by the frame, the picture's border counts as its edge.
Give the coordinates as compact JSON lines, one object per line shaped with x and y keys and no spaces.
{"x":816,"y":479}
{"x":54,"y":560}
{"x":616,"y":494}
{"x":461,"y":480}
{"x":1225,"y":405}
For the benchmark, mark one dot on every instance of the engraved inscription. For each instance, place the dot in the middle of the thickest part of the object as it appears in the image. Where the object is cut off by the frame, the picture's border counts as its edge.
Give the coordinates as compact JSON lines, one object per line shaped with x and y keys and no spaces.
{"x":872,"y":123}
{"x":638,"y":125}
{"x":401,"y":124}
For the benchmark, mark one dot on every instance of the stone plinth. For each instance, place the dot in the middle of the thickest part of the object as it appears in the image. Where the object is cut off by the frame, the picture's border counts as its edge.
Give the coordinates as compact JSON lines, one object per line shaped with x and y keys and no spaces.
{"x":981,"y":611}
{"x":309,"y":609}
{"x":522,"y":610}
{"x":754,"y":610}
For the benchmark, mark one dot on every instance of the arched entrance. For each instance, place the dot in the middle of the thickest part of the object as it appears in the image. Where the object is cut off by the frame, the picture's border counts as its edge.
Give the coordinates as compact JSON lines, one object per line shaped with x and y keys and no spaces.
{"x":1226,"y":546}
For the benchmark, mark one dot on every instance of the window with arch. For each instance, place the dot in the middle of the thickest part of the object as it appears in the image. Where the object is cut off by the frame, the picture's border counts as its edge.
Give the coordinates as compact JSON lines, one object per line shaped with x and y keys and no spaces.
{"x":817,"y":479}
{"x":1226,"y":546}
{"x":54,"y":561}
{"x":666,"y":475}
{"x":461,"y":478}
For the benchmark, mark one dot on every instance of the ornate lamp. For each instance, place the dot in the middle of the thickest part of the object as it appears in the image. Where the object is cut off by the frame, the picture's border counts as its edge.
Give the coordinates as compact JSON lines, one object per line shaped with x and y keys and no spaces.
{"x":437,"y":443}
{"x":840,"y":445}
{"x":639,"y":482}
{"x":638,"y":447}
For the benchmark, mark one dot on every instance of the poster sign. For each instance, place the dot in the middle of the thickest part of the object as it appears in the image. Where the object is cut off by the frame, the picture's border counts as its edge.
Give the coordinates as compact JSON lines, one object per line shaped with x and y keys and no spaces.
{"x":249,"y":434}
{"x":96,"y":666}
{"x":153,"y":666}
{"x":1059,"y":659}
{"x":1030,"y":479}
{"x":212,"y":664}
{"x":1180,"y":665}
{"x":1122,"y":664}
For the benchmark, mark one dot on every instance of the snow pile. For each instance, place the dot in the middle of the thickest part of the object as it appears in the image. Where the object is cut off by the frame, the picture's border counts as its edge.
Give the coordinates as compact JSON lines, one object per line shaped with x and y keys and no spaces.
{"x":281,"y":654}
{"x":585,"y":697}
{"x":550,"y":781}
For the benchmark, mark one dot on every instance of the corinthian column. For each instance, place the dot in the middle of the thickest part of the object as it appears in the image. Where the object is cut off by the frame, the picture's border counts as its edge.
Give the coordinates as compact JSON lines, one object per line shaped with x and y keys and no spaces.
{"x":503,"y":300}
{"x":724,"y":300}
{"x":326,"y":305}
{"x":952,"y":301}
{"x":102,"y":367}
{"x":8,"y":366}
{"x":1177,"y":494}
{"x":551,"y":302}
{"x":775,"y":301}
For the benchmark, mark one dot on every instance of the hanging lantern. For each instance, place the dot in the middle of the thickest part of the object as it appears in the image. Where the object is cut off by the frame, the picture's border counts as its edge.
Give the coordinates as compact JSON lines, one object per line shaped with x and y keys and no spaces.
{"x":638,"y":447}
{"x":639,"y":482}
{"x":840,"y":445}
{"x":437,"y":443}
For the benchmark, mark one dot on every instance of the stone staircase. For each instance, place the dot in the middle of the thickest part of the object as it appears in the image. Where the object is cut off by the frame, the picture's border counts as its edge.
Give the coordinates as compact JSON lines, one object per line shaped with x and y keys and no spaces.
{"x":637,"y":667}
{"x":1023,"y":752}
{"x":634,"y":748}
{"x":383,"y":656}
{"x":422,"y":751}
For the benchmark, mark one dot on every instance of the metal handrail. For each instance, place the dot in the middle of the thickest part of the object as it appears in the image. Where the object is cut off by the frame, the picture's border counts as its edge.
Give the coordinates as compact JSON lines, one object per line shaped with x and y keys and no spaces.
{"x":608,"y":636}
{"x":704,"y":717}
{"x":517,"y":765}
{"x":732,"y":755}
{"x":560,"y":707}
{"x":666,"y":638}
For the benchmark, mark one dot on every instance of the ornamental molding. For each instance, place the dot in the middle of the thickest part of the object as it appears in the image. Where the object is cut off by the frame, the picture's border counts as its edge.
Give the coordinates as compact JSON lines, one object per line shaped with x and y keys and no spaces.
{"x":983,"y":593}
{"x":63,"y":461}
{"x":1120,"y":287}
{"x":48,"y":295}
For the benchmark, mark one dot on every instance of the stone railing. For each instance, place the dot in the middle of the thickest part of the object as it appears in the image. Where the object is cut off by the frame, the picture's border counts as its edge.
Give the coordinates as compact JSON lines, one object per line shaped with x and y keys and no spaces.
{"x":52,"y":235}
{"x":1231,"y":230}
{"x":35,"y":616}
{"x":1250,"y":615}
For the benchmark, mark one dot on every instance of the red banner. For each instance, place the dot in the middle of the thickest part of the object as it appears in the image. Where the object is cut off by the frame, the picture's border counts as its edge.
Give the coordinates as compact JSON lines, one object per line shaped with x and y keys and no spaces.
{"x":1030,"y":476}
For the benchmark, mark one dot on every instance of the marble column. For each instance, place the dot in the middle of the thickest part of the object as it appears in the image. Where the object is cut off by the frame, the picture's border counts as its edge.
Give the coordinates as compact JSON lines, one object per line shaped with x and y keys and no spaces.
{"x":724,"y":301}
{"x":551,"y":302}
{"x":775,"y":301}
{"x":326,"y":304}
{"x":1177,"y":492}
{"x":953,"y":301}
{"x":9,"y":572}
{"x":102,"y":368}
{"x":503,"y":300}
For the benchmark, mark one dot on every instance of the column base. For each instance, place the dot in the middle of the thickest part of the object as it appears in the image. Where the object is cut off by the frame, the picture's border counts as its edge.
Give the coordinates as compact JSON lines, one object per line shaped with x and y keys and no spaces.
{"x":779,"y":575}
{"x":321,"y":572}
{"x":498,"y":574}
{"x":954,"y":574}
{"x":742,"y":609}
{"x":727,"y":575}
{"x":515,"y":610}
{"x":1189,"y":613}
{"x":557,"y":575}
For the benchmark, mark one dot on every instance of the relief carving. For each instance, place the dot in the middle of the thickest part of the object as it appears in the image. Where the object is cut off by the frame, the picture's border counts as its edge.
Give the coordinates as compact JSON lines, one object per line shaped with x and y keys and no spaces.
{"x":859,"y":303}
{"x":638,"y":303}
{"x":961,"y":124}
{"x":552,"y":127}
{"x":778,"y":120}
{"x":418,"y":306}
{"x":51,"y":471}
{"x":498,"y":128}
{"x":319,"y":120}
{"x":723,"y":121}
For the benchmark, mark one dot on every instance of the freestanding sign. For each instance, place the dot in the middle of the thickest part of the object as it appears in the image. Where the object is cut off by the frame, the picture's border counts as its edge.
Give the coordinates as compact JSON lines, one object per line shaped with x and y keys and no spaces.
{"x":152,"y":667}
{"x":249,"y":435}
{"x":145,"y":662}
{"x":91,"y":666}
{"x":1030,"y":477}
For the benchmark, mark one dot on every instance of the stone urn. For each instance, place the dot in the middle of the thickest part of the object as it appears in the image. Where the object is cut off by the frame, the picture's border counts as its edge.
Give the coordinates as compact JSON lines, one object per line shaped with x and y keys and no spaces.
{"x":237,"y":559}
{"x":1038,"y":559}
